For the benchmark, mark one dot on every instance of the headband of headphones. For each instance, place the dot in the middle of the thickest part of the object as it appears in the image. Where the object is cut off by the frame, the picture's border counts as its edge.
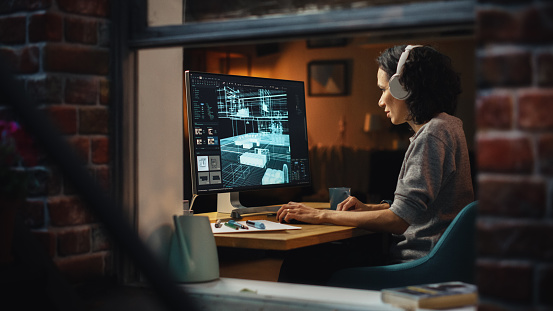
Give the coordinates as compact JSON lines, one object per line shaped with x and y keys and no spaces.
{"x":396,"y":89}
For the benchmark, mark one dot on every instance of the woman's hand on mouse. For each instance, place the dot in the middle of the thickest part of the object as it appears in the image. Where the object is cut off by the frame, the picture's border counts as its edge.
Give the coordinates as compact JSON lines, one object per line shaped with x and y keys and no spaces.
{"x":299,"y":211}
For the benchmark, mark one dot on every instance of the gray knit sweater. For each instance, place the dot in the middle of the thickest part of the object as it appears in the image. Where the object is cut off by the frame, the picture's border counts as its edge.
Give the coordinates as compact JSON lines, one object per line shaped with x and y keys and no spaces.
{"x":434,"y":185}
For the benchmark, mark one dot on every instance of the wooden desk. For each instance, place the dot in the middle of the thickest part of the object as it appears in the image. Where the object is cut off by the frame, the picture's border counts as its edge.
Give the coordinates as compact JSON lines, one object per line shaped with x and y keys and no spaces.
{"x":262,"y":262}
{"x":284,"y":240}
{"x":289,"y":239}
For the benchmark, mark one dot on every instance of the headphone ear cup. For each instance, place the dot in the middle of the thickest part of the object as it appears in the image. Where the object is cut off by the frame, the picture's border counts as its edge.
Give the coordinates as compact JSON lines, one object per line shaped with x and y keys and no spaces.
{"x":396,"y":89}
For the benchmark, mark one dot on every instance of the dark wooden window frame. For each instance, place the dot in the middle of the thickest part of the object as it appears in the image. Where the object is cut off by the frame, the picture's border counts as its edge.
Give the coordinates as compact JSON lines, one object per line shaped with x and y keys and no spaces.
{"x":130,"y":33}
{"x":422,"y":17}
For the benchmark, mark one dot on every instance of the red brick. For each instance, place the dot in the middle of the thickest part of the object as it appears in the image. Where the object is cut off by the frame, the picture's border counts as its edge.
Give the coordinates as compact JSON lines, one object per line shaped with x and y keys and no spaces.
{"x":73,"y":59}
{"x":544,"y":69}
{"x":536,"y":24}
{"x":528,"y":24}
{"x":495,"y":111}
{"x":505,"y":154}
{"x":102,"y":175}
{"x":535,"y":107}
{"x":509,"y":68}
{"x":46,"y":89}
{"x":21,"y":60}
{"x":93,"y":120}
{"x":104,"y":91}
{"x":74,"y":241}
{"x":10,"y":57}
{"x":55,"y":182}
{"x":46,"y":27}
{"x":504,"y":238}
{"x":13,"y":29}
{"x":512,"y":197}
{"x":83,"y":268}
{"x":495,"y":25}
{"x":64,"y":117}
{"x":81,"y":30}
{"x":81,"y":145}
{"x":81,"y":91}
{"x":85,"y":7}
{"x":545,"y":154}
{"x":29,"y":60}
{"x":509,"y":281}
{"x":100,"y":150}
{"x":68,"y":211}
{"x":38,"y":185}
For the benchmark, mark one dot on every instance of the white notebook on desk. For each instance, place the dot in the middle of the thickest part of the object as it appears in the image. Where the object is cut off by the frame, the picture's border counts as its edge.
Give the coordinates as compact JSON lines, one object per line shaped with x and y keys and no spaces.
{"x":269,"y":226}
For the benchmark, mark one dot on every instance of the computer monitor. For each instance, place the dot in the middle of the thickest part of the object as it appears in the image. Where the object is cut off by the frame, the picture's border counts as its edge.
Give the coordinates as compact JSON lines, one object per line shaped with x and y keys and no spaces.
{"x":245,"y":133}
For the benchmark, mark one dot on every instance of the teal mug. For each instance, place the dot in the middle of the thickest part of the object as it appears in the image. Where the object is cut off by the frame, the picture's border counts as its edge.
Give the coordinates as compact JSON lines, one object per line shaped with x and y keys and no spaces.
{"x":337,"y":195}
{"x":193,"y":255}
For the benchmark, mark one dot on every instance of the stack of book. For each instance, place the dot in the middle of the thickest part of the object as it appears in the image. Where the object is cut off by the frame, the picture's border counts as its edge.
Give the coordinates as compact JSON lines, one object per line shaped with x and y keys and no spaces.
{"x":432,"y":296}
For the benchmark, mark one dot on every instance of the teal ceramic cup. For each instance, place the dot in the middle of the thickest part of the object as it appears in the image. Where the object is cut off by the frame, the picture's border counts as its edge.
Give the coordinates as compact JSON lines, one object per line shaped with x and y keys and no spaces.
{"x":193,"y":256}
{"x":338,"y":195}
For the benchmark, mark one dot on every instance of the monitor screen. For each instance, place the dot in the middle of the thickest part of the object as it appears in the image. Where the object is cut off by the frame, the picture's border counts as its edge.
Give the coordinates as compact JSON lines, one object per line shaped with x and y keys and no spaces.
{"x":245,"y":133}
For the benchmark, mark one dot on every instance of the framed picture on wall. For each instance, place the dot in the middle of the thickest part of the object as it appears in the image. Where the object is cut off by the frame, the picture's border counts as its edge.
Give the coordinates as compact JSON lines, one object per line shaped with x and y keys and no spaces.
{"x":328,"y":78}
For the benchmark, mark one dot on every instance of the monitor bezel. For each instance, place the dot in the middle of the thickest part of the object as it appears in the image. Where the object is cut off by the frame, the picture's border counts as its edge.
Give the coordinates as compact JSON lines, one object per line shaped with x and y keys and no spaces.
{"x":192,"y":148}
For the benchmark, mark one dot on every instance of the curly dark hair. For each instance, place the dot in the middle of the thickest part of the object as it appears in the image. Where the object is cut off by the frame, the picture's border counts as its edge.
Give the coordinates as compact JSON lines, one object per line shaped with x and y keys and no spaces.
{"x":429,"y":76}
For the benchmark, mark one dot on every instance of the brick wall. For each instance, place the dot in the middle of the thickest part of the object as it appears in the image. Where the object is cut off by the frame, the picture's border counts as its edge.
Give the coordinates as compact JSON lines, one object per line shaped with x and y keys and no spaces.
{"x":60,"y":50}
{"x":515,"y":154}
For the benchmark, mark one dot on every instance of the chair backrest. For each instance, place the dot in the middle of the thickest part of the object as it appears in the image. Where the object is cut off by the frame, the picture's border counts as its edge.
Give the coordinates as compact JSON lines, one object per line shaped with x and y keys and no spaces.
{"x":455,"y":252}
{"x":452,"y":259}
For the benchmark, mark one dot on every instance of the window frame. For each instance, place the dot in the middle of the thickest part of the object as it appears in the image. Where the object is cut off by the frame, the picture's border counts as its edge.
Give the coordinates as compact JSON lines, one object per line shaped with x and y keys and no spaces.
{"x":423,"y":17}
{"x":131,"y":33}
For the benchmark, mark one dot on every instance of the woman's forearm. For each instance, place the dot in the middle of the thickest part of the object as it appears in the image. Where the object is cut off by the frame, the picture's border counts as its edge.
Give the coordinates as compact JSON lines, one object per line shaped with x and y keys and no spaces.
{"x":382,"y":220}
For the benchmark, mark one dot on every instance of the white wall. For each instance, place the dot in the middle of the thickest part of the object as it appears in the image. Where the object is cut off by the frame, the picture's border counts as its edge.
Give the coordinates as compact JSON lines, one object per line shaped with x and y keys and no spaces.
{"x":159,"y":137}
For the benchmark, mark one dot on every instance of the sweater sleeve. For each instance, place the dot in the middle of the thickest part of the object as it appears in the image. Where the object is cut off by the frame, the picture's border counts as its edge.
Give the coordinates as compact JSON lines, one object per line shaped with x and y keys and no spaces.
{"x":426,"y":167}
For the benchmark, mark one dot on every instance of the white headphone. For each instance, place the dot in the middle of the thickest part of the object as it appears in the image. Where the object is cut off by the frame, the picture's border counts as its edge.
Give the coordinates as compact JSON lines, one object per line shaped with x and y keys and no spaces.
{"x":396,"y":89}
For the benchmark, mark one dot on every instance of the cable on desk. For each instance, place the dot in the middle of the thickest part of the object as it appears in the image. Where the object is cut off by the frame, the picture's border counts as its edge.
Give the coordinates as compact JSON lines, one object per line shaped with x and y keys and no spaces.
{"x":194,"y":196}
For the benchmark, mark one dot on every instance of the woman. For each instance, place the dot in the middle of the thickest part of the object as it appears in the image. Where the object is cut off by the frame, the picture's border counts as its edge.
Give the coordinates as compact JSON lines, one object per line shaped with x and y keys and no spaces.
{"x":434,"y":184}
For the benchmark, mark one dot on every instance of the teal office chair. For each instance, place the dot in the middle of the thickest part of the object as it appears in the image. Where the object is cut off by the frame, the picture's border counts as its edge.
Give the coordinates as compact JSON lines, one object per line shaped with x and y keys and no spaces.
{"x":452,"y":259}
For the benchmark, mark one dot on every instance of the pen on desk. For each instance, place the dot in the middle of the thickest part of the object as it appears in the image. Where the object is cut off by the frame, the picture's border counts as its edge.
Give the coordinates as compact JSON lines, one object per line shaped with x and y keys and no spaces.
{"x":218,"y":223}
{"x":231,"y":226}
{"x":258,"y":225}
{"x":233,"y":222}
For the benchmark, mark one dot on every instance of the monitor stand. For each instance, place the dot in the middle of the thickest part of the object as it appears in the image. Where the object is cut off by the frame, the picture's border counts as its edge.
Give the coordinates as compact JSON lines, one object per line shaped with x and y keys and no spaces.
{"x":229,"y":202}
